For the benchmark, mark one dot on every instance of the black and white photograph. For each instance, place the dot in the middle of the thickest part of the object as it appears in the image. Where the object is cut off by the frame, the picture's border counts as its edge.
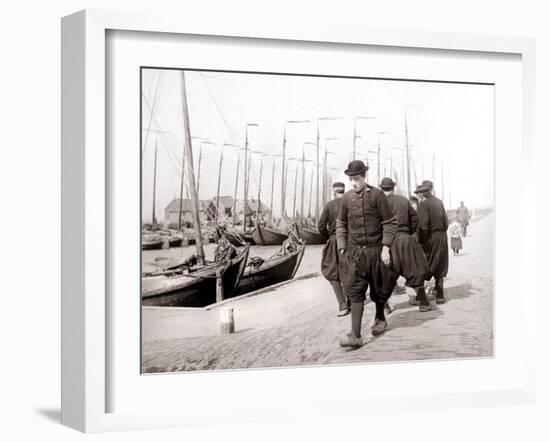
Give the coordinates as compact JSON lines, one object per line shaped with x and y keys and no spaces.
{"x":294,"y":220}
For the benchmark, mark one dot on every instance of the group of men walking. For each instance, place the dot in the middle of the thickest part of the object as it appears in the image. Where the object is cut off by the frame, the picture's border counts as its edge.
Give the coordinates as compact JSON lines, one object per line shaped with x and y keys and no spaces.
{"x":374,"y":237}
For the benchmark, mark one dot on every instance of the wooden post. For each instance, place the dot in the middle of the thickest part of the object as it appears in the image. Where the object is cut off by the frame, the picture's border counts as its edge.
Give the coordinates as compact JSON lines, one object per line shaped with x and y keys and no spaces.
{"x":227,"y":321}
{"x":219,"y":284}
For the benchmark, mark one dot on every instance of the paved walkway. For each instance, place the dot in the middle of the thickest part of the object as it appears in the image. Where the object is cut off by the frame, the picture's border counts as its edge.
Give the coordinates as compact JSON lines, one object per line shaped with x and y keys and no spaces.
{"x":297,"y":324}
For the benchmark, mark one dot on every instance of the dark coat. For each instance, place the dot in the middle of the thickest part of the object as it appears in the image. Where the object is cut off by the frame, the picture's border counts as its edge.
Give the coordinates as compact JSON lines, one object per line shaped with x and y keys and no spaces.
{"x":432,"y":235}
{"x":327,"y":219}
{"x":327,"y":228}
{"x":365,"y":219}
{"x":406,"y":216}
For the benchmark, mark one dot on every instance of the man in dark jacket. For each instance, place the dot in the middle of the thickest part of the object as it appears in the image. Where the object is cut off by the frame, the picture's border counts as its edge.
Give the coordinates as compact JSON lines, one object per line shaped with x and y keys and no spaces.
{"x":408,"y":259}
{"x":365,"y":229}
{"x":432,"y":236}
{"x":329,"y":260}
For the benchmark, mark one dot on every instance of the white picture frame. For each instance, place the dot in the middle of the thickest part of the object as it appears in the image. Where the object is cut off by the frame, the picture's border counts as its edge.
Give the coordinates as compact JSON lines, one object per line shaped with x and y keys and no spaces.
{"x":85,"y":199}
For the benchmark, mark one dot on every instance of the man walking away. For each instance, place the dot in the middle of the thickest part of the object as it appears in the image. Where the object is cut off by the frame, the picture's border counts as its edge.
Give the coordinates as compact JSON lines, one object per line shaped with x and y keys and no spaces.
{"x":408,"y":259}
{"x":463,"y":217}
{"x":432,"y":235}
{"x":330,"y":260}
{"x":365,"y":229}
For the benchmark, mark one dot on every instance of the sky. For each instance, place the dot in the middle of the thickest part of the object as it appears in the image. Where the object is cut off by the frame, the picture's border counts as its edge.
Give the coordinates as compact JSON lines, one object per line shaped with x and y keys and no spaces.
{"x":451,"y":123}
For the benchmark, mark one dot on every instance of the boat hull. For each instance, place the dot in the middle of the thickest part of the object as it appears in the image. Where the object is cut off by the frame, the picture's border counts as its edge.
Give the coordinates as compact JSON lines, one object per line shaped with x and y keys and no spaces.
{"x":271,"y":272}
{"x":151,"y":245}
{"x":197,"y":289}
{"x":264,"y":236}
{"x":236,"y":239}
{"x":175,"y":242}
{"x":312,"y":236}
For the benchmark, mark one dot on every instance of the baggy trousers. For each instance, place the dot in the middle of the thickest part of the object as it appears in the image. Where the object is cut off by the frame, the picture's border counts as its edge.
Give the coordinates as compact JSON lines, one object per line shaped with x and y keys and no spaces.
{"x":360,"y":269}
{"x":408,"y":260}
{"x":437,"y":254}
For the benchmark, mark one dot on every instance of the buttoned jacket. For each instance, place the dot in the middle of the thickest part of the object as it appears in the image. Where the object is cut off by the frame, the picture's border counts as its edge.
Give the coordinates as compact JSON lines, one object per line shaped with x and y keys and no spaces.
{"x":365,"y":219}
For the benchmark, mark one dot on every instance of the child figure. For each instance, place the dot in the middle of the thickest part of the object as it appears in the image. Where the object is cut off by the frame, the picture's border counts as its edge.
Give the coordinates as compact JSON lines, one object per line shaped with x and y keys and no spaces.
{"x":455,"y":232}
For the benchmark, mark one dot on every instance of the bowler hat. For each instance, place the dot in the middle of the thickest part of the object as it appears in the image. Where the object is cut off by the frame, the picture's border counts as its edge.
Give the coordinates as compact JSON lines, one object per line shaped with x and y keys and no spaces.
{"x":356,"y":167}
{"x":428,"y":184}
{"x":387,"y":184}
{"x":421,"y":188}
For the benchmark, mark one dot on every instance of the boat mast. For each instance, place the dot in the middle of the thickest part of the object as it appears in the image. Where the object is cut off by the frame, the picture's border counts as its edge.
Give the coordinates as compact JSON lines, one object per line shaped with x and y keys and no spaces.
{"x":199,"y":170}
{"x":295,"y":189}
{"x":246,"y":172}
{"x":181,"y":193}
{"x":303,"y":183}
{"x":311,"y":190}
{"x":317,"y":176}
{"x":325,"y":170}
{"x":286,"y":174}
{"x":236,"y":186}
{"x":284,"y":169}
{"x":283,"y":173}
{"x":154,"y":186}
{"x":379,"y":152}
{"x":245,"y":190}
{"x":325,"y":174}
{"x":219,"y":182}
{"x":190,"y":173}
{"x":153,"y":108}
{"x":272,"y":186}
{"x":258,"y":209}
{"x":407,"y":157}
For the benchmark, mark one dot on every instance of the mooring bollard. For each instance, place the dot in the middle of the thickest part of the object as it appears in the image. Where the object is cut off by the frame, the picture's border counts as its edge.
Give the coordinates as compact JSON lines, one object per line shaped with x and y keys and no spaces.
{"x":165,"y":244}
{"x":227,"y":322}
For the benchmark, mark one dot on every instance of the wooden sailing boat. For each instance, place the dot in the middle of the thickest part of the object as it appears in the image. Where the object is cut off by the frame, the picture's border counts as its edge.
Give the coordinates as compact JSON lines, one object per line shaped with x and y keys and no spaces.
{"x":269,"y":236}
{"x":277,"y":269}
{"x":193,"y":284}
{"x":310,"y":235}
{"x":280,"y":267}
